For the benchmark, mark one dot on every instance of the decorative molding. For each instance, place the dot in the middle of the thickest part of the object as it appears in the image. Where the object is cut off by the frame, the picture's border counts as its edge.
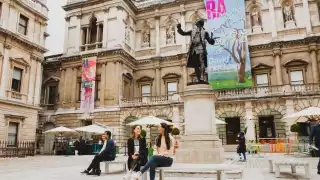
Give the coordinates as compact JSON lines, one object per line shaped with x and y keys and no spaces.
{"x":171,"y":76}
{"x":277,"y":52}
{"x":128,"y":76}
{"x":79,"y":16}
{"x":296,"y":62}
{"x":120,"y":8}
{"x":20,"y":61}
{"x":53,"y":78}
{"x":67,"y":18}
{"x":261,"y":66}
{"x":145,"y":79}
{"x":7,"y":46}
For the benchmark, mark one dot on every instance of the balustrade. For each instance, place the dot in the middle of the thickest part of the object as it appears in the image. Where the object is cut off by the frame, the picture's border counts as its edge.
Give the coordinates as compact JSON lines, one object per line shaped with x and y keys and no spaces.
{"x":37,"y":5}
{"x":74,"y":1}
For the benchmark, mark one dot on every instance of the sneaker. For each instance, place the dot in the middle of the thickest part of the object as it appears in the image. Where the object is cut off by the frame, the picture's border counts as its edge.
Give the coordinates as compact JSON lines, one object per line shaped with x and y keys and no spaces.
{"x":318,"y":171}
{"x":85,"y":172}
{"x":136,"y":175}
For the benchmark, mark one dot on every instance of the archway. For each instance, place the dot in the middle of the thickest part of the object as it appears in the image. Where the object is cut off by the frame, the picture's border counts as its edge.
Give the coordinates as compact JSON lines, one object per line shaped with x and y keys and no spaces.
{"x":93,"y":29}
{"x":269,"y":124}
{"x":127,"y":128}
{"x":48,"y":139}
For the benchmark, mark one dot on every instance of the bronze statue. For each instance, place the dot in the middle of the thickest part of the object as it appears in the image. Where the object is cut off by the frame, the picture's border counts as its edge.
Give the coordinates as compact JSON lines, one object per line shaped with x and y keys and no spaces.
{"x":197,"y":55}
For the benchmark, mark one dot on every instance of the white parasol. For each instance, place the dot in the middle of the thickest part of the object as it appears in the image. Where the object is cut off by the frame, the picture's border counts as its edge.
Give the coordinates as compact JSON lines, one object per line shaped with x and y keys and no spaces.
{"x":304,"y":115}
{"x":94,"y":128}
{"x":61,"y":130}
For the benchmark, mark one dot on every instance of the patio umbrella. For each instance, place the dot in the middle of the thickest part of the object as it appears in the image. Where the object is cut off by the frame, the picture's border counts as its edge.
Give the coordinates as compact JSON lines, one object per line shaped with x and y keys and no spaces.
{"x":150,"y":121}
{"x":61,"y":130}
{"x":94,"y":128}
{"x":304,"y":115}
{"x":220,"y":122}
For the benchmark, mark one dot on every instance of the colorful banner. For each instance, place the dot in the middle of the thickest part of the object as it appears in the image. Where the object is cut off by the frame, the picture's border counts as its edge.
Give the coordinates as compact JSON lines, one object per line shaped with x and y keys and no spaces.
{"x":88,"y":84}
{"x":228,"y":60}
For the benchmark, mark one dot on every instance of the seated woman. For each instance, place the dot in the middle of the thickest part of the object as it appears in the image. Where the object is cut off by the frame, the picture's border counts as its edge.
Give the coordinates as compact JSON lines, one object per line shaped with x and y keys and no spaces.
{"x":162,"y":155}
{"x":137,"y":151}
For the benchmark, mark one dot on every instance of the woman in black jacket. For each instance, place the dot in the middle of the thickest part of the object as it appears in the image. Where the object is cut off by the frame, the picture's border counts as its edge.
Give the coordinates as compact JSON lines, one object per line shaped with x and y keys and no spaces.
{"x":242,"y":146}
{"x":137,"y":151}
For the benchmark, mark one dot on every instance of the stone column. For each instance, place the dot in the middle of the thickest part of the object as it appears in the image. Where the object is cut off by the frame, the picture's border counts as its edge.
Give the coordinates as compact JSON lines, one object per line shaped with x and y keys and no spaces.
{"x":5,"y":71}
{"x":273,"y":19}
{"x":184,"y":75}
{"x":66,"y":33}
{"x":157,"y":35}
{"x":117,"y":77}
{"x":105,"y":29}
{"x":98,"y":35}
{"x":74,"y":86}
{"x":42,"y":31}
{"x":249,"y":115}
{"x":5,"y":15}
{"x":176,"y":116}
{"x":158,"y":81}
{"x":200,"y":144}
{"x":82,"y":37}
{"x":61,"y":87}
{"x":277,"y":53}
{"x":103,"y":84}
{"x":183,"y":26}
{"x":289,"y":110}
{"x":314,"y":62}
{"x":79,"y":33}
{"x":307,"y":18}
{"x":38,"y":84}
{"x":87,"y":39}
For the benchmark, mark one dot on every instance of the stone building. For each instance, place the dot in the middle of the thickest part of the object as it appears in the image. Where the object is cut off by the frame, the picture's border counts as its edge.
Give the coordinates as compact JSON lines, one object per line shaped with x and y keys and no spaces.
{"x":142,"y":65}
{"x":22,"y":45}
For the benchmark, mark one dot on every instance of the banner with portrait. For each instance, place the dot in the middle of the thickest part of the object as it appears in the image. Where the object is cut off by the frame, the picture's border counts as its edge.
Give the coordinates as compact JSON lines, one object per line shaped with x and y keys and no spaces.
{"x":228,"y":60}
{"x":88,"y":84}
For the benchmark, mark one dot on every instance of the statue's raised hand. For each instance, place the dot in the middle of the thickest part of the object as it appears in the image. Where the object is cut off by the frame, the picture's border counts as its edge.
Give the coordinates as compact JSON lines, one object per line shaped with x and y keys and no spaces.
{"x":179,"y":26}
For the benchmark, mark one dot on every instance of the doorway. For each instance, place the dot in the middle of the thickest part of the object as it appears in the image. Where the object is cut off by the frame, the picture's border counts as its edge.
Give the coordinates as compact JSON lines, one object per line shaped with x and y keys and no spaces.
{"x":48,"y":139}
{"x":232,"y":129}
{"x":267,"y":127}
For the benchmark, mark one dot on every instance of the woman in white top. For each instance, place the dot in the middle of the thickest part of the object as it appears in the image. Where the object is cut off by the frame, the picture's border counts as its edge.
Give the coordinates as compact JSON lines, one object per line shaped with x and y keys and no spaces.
{"x":162,"y":155}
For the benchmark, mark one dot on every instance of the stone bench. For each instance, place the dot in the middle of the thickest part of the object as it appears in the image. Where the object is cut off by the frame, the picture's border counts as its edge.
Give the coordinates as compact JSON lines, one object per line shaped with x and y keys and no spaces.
{"x":116,"y":161}
{"x":288,"y":162}
{"x":217,"y":169}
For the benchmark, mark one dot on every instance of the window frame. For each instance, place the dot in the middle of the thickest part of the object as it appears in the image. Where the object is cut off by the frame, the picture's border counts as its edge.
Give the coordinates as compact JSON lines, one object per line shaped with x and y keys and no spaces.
{"x":16,"y":135}
{"x":55,"y":93}
{"x":167,"y":87}
{"x":21,"y":79}
{"x":296,"y":70}
{"x":145,"y":84}
{"x":259,"y":74}
{"x":143,"y":81}
{"x":20,"y":25}
{"x":296,"y":65}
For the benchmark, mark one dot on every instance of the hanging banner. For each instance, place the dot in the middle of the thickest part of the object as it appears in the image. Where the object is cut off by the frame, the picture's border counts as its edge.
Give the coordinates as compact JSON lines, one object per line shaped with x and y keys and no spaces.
{"x":88,"y":84}
{"x":228,"y":60}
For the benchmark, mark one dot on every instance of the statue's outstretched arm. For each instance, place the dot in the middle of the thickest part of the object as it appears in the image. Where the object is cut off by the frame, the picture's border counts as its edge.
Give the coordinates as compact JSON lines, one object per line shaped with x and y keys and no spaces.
{"x":211,"y":40}
{"x":183,"y":33}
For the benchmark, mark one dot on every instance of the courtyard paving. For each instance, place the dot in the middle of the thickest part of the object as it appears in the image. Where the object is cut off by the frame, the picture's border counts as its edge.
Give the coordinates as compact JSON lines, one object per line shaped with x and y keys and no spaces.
{"x":68,"y":168}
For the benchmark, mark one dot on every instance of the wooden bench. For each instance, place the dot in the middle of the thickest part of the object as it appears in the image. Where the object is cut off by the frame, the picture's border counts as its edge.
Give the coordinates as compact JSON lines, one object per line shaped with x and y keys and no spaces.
{"x":116,"y":161}
{"x":288,"y":162}
{"x":218,"y":169}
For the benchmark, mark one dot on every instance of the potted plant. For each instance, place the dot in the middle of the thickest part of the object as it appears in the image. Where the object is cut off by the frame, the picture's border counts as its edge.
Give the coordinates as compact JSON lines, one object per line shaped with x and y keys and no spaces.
{"x":143,"y":133}
{"x":295,"y":129}
{"x":175,"y":132}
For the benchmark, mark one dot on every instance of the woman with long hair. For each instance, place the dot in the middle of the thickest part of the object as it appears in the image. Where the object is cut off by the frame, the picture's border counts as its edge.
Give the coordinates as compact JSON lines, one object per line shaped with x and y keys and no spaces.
{"x":137,"y":151}
{"x":162,"y":155}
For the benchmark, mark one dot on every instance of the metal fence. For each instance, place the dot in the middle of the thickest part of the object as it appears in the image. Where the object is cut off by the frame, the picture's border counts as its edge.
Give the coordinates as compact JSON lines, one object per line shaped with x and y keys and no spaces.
{"x":18,"y":149}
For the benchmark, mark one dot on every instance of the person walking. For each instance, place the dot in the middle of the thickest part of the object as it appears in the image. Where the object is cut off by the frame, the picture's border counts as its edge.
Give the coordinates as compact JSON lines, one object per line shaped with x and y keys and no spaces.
{"x":162,"y":155}
{"x":137,"y":151}
{"x":241,"y":149}
{"x":315,"y":134}
{"x":107,"y":153}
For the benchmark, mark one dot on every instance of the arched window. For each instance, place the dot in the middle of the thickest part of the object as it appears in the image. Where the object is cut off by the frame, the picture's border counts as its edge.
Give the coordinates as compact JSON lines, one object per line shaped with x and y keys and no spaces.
{"x":93,"y":30}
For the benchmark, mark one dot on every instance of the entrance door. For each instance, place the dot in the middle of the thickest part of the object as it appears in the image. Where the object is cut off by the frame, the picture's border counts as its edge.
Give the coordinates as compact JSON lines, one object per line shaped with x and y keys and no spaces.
{"x":266,"y":127}
{"x":48,"y":139}
{"x":232,"y":129}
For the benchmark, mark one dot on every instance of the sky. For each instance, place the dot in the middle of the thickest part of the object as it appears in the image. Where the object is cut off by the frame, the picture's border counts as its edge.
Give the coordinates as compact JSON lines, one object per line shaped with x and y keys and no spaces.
{"x":56,"y":26}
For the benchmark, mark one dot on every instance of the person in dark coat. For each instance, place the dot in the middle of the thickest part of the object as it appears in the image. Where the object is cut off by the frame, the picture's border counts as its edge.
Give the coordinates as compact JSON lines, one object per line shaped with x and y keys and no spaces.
{"x":241,"y":149}
{"x":137,"y":151}
{"x":107,"y":153}
{"x":315,"y":134}
{"x":197,"y":55}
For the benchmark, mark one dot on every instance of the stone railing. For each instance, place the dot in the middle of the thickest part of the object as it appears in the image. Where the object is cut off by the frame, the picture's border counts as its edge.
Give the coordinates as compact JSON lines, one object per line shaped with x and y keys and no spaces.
{"x":231,"y":94}
{"x":37,"y":6}
{"x":151,"y":100}
{"x":17,"y":96}
{"x":92,"y":46}
{"x":74,"y":1}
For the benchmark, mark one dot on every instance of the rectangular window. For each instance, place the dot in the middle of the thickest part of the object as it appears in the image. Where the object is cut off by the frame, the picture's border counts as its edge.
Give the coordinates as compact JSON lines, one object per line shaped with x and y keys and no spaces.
{"x":52,"y":94}
{"x":126,"y":89}
{"x":13,"y":133}
{"x":262,"y":80}
{"x":172,"y":87}
{"x":79,"y":93}
{"x":16,"y":79}
{"x":296,"y":77}
{"x":23,"y":24}
{"x":145,"y":90}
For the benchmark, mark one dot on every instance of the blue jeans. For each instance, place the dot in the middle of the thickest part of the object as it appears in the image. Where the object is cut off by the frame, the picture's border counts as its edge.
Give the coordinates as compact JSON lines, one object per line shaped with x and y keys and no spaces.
{"x":154,"y":162}
{"x":244,"y":156}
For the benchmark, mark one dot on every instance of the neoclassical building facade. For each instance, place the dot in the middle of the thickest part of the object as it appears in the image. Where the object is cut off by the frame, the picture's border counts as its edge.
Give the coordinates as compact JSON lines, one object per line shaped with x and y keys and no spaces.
{"x":141,"y":65}
{"x":22,"y":46}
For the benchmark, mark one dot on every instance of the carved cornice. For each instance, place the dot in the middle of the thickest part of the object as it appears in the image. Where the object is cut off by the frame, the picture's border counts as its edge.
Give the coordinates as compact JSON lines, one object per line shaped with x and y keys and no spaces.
{"x":15,"y":37}
{"x":79,"y":16}
{"x":7,"y":46}
{"x":20,"y":61}
{"x":313,"y":47}
{"x":276,"y":52}
{"x":67,"y":18}
{"x":11,"y":116}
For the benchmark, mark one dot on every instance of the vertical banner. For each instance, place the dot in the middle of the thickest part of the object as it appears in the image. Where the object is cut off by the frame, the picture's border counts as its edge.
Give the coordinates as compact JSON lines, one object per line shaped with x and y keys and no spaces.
{"x":88,"y":84}
{"x":228,"y":60}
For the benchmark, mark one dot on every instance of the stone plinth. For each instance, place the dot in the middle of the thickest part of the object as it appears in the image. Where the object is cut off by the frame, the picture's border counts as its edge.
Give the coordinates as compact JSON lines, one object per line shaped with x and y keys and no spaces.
{"x":290,"y":24}
{"x":257,"y":29}
{"x":200,"y":144}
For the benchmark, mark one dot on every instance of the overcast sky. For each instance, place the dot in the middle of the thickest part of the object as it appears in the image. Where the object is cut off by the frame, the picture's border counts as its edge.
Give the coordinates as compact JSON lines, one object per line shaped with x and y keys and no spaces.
{"x":55,"y":26}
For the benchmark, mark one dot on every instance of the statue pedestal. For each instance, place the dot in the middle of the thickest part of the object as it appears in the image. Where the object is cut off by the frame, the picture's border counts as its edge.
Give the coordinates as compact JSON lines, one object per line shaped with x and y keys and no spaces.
{"x":290,"y":24}
{"x":257,"y":29}
{"x":200,"y":144}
